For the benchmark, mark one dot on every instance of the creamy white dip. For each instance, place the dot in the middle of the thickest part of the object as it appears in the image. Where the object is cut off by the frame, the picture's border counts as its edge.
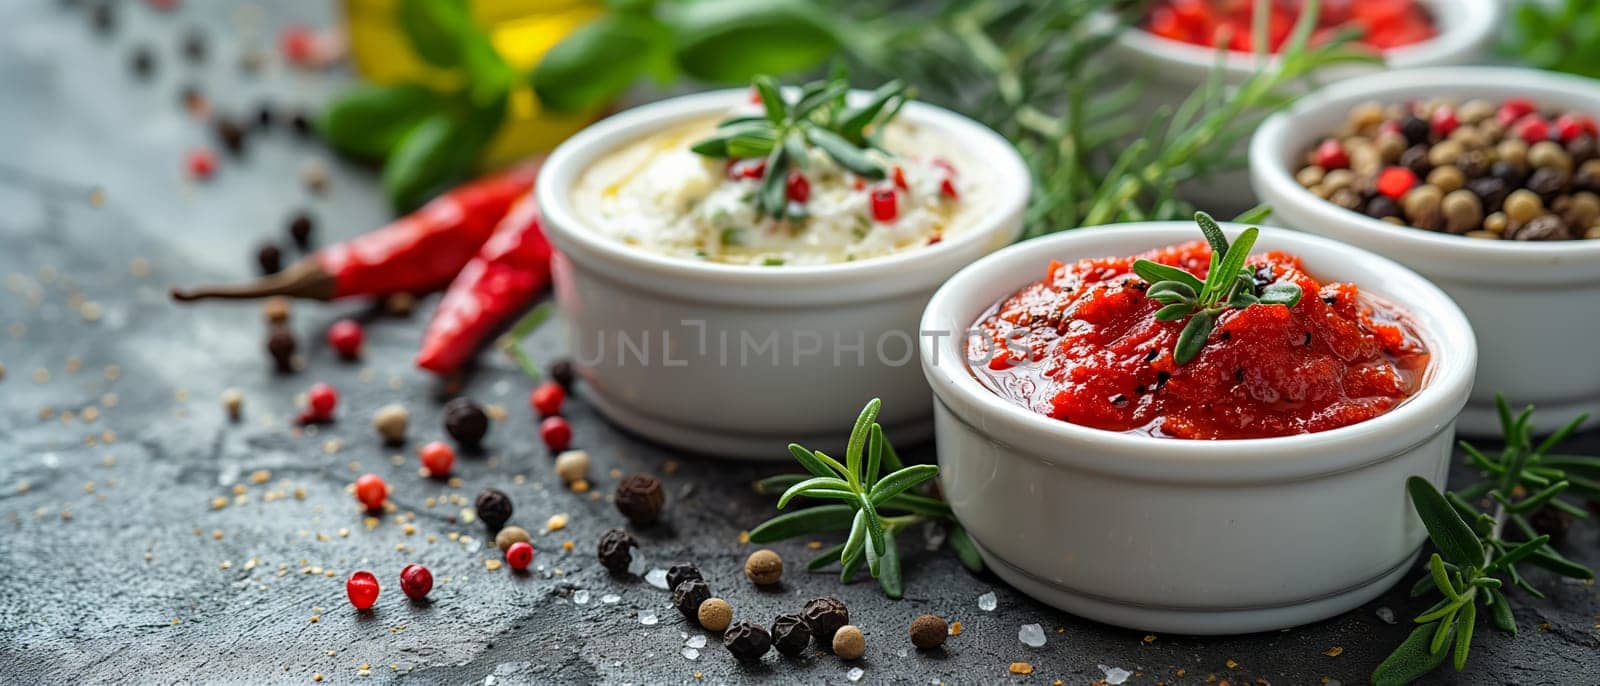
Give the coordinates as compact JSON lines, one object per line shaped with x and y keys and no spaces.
{"x":658,"y":195}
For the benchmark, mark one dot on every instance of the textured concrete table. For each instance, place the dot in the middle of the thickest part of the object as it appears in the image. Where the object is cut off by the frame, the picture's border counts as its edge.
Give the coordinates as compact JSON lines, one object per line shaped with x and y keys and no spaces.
{"x":145,"y":538}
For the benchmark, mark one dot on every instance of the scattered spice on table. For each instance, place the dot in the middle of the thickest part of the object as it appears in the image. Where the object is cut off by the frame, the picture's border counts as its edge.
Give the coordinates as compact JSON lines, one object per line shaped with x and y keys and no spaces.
{"x":928,"y":632}
{"x":466,"y":422}
{"x":362,"y":587}
{"x":345,"y":337}
{"x":825,"y":615}
{"x":746,"y":641}
{"x":556,"y":433}
{"x":572,"y":466}
{"x":390,"y":421}
{"x":547,"y":398}
{"x":616,"y":551}
{"x":715,"y":614}
{"x":300,"y":228}
{"x":561,"y":372}
{"x":681,"y":572}
{"x":232,"y":403}
{"x":494,"y":508}
{"x":143,"y":61}
{"x":270,"y":259}
{"x":509,"y":536}
{"x":230,"y":134}
{"x":321,"y":400}
{"x":764,"y":567}
{"x":372,"y":491}
{"x":201,"y":163}
{"x":688,"y":595}
{"x":640,"y":498}
{"x":519,"y":555}
{"x":416,"y":581}
{"x":791,"y":635}
{"x":437,"y":458}
{"x":849,"y":643}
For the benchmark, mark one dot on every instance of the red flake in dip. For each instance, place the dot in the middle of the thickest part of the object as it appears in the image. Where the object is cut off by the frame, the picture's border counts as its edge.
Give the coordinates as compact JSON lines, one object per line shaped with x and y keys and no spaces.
{"x":1095,"y":355}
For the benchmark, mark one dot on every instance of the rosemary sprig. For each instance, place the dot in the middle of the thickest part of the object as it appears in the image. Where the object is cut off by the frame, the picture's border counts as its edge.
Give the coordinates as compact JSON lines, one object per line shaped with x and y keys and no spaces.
{"x":871,"y":508}
{"x":1475,"y":561}
{"x":1229,"y":284}
{"x":818,"y":117}
{"x":511,"y":343}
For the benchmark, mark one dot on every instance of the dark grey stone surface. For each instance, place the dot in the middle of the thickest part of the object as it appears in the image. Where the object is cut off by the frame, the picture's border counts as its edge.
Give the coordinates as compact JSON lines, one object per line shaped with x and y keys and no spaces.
{"x":115,"y":567}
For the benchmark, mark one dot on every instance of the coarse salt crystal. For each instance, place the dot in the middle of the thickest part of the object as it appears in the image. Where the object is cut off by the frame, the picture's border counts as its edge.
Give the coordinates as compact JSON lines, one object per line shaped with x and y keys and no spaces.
{"x":647,"y":617}
{"x":1031,"y":635}
{"x":1115,"y":675}
{"x":580,"y":597}
{"x":987,"y":602}
{"x":697,"y":641}
{"x":691,"y":653}
{"x":855,"y":673}
{"x":610,"y":598}
{"x":637,"y":564}
{"x":657,"y":577}
{"x":1386,"y":614}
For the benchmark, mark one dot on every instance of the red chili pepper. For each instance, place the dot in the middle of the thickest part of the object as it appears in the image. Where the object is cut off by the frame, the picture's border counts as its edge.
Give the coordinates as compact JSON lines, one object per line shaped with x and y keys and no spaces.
{"x":509,"y":271}
{"x":417,"y":253}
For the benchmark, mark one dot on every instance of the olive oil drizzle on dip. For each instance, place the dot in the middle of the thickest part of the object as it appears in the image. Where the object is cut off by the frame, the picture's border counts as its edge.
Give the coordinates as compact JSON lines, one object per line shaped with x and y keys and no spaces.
{"x":658,"y":195}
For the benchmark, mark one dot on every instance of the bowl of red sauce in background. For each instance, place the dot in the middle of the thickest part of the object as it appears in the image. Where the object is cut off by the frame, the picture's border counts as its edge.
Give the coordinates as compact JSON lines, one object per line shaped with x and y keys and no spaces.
{"x":1256,"y":486}
{"x":1171,"y":46}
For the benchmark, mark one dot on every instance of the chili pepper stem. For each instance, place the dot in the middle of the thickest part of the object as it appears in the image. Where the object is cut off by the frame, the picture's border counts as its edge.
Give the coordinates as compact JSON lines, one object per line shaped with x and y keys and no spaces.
{"x":303,"y":279}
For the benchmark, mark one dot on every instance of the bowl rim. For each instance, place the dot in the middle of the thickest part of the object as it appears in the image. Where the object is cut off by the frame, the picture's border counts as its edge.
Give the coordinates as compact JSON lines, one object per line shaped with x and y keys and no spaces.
{"x":1474,"y":21}
{"x":1276,"y":184}
{"x":567,"y":162}
{"x":1424,"y":414}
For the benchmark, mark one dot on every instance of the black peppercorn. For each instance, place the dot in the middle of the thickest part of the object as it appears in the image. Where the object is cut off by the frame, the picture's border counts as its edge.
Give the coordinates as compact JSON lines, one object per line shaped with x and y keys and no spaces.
{"x":1473,"y":163}
{"x":494,"y":508}
{"x":1582,"y":148}
{"x":561,"y":372}
{"x":688,"y":595}
{"x":281,"y":346}
{"x":825,"y":616}
{"x":270,"y":258}
{"x":264,"y":116}
{"x":639,"y":498}
{"x":1507,"y":172}
{"x":300,"y":230}
{"x":465,"y":422}
{"x":230,"y":134}
{"x":1415,"y":158}
{"x":616,"y":551}
{"x":194,"y":46}
{"x":747,"y":641}
{"x":1491,"y":191}
{"x":102,"y":17}
{"x":1545,"y":227}
{"x":1548,"y":182}
{"x":681,"y":572}
{"x":1381,"y":206}
{"x":1415,"y":129}
{"x":143,"y":62}
{"x":791,"y":635}
{"x":301,"y":124}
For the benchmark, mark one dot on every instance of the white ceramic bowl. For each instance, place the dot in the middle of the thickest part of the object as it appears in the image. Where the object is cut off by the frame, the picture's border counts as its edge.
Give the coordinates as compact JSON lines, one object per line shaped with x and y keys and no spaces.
{"x":1188,"y":536}
{"x":707,"y":380}
{"x":1534,"y":305}
{"x":1175,"y":69}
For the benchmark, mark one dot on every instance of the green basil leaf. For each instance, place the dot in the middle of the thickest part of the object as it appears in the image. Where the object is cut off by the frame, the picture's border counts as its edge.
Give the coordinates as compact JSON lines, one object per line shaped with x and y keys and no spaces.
{"x":965,"y":549}
{"x":432,"y":158}
{"x":1181,"y":290}
{"x":1154,"y":273}
{"x":889,"y":569}
{"x":436,"y":29}
{"x":1286,"y":294}
{"x":814,"y":484}
{"x":846,"y":154}
{"x":1174,"y":312}
{"x":1449,"y":533}
{"x":1193,"y":337}
{"x":1213,"y":232}
{"x":369,"y":121}
{"x":732,"y":41}
{"x":1411,"y":660}
{"x":812,"y":520}
{"x":600,"y":60}
{"x":902,"y":480}
{"x":1242,"y":299}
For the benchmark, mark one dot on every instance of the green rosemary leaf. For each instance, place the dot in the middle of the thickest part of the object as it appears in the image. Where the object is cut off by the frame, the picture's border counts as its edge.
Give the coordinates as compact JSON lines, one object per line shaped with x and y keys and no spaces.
{"x":832,"y":464}
{"x":1193,"y":337}
{"x":818,"y":97}
{"x":1423,"y":587}
{"x":1443,"y":631}
{"x":857,"y":539}
{"x":874,"y":558}
{"x":858,"y":440}
{"x":1500,"y":612}
{"x":900,"y":481}
{"x":965,"y":549}
{"x":850,"y":564}
{"x":1234,"y":260}
{"x":810,"y":461}
{"x":1411,"y":660}
{"x":828,"y":556}
{"x":1169,"y":297}
{"x":1535,"y":501}
{"x":1487,"y":582}
{"x":1213,"y":232}
{"x":1579,"y":462}
{"x":1551,"y":560}
{"x":1244,"y":298}
{"x":771,"y":98}
{"x":1519,"y":582}
{"x":874,"y":455}
{"x":853,"y":121}
{"x":1454,"y":539}
{"x":1183,"y":290}
{"x":1254,"y":215}
{"x":779,"y":483}
{"x":743,"y":119}
{"x":1561,"y":434}
{"x":918,"y":505}
{"x":1504,"y":410}
{"x":889,"y":569}
{"x":891,"y":459}
{"x":814,"y":484}
{"x":846,"y":154}
{"x":1174,"y":312}
{"x":874,"y":523}
{"x":1516,"y":459}
{"x":812,"y":520}
{"x":1464,"y":624}
{"x":795,"y":142}
{"x":774,"y":194}
{"x":1286,"y":294}
{"x":1441,"y":580}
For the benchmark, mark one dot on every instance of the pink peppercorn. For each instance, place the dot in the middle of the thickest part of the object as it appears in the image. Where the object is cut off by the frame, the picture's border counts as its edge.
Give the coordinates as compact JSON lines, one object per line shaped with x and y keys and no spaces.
{"x":556,"y":432}
{"x":1330,"y":155}
{"x":1532,"y":129}
{"x":320,"y":401}
{"x":437,"y":457}
{"x":363,"y":589}
{"x":799,"y":189}
{"x":201,"y":163}
{"x":372,"y":491}
{"x":547,"y":399}
{"x":416,"y":581}
{"x":519,"y":555}
{"x":1514,"y":109}
{"x":1444,"y":121}
{"x":1570,"y":126}
{"x":1395,"y":181}
{"x":345,"y":338}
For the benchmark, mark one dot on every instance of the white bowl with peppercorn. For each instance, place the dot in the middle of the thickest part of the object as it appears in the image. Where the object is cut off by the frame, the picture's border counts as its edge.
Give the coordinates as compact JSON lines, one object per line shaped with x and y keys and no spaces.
{"x":1173,"y":50}
{"x":1100,"y":475}
{"x":718,"y":307}
{"x":1448,"y":178}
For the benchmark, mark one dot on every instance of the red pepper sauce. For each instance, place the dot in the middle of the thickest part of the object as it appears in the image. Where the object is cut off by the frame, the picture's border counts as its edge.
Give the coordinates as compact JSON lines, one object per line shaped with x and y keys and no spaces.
{"x":1384,"y":24}
{"x":1083,"y":346}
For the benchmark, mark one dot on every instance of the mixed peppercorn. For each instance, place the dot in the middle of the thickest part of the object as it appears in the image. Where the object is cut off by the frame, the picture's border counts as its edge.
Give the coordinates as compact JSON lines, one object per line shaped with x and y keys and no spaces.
{"x":1507,"y":170}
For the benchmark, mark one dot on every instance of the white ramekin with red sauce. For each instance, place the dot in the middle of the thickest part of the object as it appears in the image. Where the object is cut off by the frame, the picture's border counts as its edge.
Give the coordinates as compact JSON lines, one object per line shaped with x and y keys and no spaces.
{"x":1534,"y":304}
{"x":1191,"y":536}
{"x":738,"y":360}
